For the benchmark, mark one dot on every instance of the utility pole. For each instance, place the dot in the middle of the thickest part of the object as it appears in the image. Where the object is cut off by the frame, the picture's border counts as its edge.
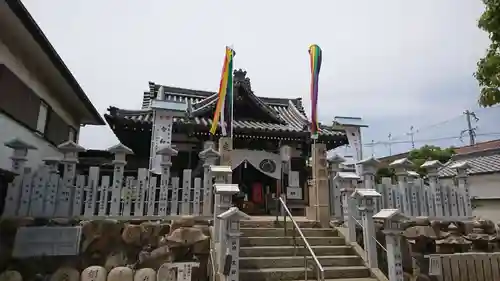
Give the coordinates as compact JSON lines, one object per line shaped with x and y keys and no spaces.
{"x":390,"y":144}
{"x":412,"y":134}
{"x":470,"y":130}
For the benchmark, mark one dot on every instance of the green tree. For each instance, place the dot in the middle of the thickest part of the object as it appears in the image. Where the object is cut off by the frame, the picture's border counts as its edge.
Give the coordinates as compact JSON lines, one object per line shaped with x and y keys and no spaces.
{"x":488,"y":67}
{"x":419,"y":156}
{"x":429,"y":152}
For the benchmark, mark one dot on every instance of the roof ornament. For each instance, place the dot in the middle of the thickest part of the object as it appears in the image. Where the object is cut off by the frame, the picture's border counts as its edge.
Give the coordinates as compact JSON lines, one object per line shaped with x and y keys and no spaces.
{"x":160,"y":95}
{"x":189,"y":109}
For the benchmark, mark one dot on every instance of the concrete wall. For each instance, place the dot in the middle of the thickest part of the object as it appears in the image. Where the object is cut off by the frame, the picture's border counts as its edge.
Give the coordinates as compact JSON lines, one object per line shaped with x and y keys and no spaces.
{"x":9,"y":129}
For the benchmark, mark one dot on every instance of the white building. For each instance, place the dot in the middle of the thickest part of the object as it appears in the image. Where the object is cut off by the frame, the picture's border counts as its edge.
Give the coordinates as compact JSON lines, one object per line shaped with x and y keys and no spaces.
{"x":40,"y":101}
{"x":484,"y":179}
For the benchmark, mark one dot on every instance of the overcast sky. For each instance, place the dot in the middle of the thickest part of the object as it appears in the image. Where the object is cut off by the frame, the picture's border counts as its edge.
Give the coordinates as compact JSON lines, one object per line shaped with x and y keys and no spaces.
{"x":395,"y":63}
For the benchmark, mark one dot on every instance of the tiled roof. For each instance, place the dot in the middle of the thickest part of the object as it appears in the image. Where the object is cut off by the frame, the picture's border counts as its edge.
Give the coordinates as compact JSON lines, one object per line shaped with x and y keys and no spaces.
{"x":481,"y":162}
{"x":289,"y":110}
{"x":478,"y":147}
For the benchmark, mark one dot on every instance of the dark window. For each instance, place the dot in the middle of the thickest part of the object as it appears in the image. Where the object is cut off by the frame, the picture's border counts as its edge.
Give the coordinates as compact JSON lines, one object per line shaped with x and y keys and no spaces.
{"x":57,"y":130}
{"x":17,"y":100}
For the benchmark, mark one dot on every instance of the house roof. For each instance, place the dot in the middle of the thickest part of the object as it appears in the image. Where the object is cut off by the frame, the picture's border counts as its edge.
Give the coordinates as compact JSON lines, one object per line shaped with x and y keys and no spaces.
{"x":20,"y":11}
{"x":481,"y":162}
{"x":478,"y":147}
{"x":281,"y":114}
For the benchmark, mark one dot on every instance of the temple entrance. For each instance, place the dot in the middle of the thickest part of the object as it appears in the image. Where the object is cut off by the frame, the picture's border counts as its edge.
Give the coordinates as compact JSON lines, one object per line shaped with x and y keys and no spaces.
{"x":257,"y":190}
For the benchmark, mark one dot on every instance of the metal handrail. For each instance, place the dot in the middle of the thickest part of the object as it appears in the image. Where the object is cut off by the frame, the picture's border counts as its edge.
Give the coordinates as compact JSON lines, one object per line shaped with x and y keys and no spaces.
{"x":212,"y":261}
{"x":321,"y":275}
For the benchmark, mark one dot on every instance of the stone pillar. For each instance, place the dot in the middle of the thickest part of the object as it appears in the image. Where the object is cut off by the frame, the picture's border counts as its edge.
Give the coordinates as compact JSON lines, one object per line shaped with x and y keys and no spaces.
{"x":432,"y":168}
{"x":319,"y":199}
{"x":231,"y":234}
{"x":225,"y":194}
{"x":334,"y":162}
{"x":392,"y":229}
{"x":209,"y":156}
{"x":464,"y":202}
{"x":220,"y":173}
{"x":120,"y":151}
{"x":348,"y":181}
{"x":70,"y":152}
{"x":366,"y":198}
{"x":225,"y":148}
{"x":164,"y":112}
{"x":166,"y":152}
{"x":401,"y":167}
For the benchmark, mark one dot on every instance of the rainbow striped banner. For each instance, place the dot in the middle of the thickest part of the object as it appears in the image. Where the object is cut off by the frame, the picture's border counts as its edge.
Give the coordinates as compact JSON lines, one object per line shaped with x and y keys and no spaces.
{"x":315,"y":54}
{"x":224,"y":108}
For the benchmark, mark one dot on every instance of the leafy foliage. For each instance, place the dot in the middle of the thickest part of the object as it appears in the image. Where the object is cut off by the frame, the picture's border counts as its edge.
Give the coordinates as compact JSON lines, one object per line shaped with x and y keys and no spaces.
{"x":419,"y":156}
{"x":488,"y":68}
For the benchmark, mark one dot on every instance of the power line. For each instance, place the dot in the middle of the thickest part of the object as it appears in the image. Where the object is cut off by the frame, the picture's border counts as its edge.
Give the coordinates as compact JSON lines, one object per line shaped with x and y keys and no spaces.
{"x":424,"y":140}
{"x":433,"y":125}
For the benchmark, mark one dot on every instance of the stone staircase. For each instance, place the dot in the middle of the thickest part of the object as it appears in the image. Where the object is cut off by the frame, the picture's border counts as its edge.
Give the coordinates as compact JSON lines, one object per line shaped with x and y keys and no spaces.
{"x":265,"y":254}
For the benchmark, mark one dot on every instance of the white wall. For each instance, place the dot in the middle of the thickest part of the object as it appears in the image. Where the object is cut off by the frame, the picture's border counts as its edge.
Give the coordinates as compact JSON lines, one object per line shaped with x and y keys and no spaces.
{"x":487,"y":209}
{"x":9,"y":130}
{"x":482,"y":187}
{"x":18,"y":68}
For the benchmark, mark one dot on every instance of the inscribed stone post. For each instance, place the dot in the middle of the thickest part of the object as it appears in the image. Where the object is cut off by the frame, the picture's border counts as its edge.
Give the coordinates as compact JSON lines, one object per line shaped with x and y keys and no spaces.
{"x":436,"y":207}
{"x":220,"y":173}
{"x":319,"y":208}
{"x":334,"y":162}
{"x":366,"y":199}
{"x":225,"y":149}
{"x":348,"y":182}
{"x":49,"y":204}
{"x":209,"y":157}
{"x":401,"y":167}
{"x":225,"y":192}
{"x":164,"y":112}
{"x":232,"y":218}
{"x":120,"y":151}
{"x":70,"y":152}
{"x":166,"y":152}
{"x":465,"y":206}
{"x":393,"y":233}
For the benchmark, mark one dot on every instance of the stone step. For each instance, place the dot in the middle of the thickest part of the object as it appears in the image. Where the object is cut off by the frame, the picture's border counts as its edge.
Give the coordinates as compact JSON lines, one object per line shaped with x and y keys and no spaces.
{"x":298,"y":273}
{"x":289,"y":241}
{"x":280,"y":232}
{"x":283,"y":251}
{"x":274,"y":224}
{"x":297,"y":261}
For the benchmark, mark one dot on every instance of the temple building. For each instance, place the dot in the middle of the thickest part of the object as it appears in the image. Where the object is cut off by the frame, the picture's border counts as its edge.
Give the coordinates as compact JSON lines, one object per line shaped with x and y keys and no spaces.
{"x":262,"y":125}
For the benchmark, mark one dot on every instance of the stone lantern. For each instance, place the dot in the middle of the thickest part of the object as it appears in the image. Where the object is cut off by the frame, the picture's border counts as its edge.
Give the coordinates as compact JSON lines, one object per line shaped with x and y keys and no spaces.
{"x":366,"y":200}
{"x":392,"y":229}
{"x":231,"y":233}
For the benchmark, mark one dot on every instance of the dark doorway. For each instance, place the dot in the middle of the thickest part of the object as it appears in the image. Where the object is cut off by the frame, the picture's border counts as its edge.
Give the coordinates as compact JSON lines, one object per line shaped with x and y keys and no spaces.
{"x":256,"y":189}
